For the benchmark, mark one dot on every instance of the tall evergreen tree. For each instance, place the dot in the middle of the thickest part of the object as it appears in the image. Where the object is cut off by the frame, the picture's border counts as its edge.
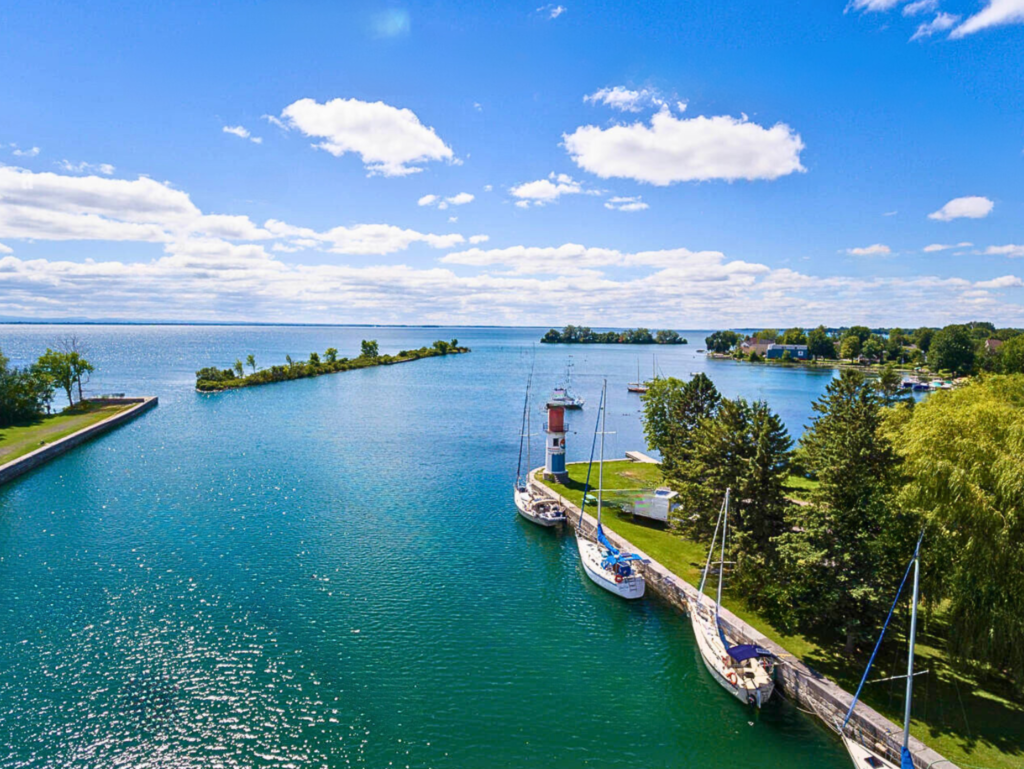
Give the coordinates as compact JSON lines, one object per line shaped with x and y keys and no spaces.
{"x":672,"y":410}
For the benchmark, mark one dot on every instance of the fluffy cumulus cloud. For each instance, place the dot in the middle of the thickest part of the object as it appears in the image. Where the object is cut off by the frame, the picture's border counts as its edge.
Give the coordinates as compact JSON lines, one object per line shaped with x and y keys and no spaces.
{"x":442,"y":203}
{"x":996,"y":13}
{"x":877,"y":249}
{"x":674,"y":149}
{"x":6,"y":249}
{"x":624,"y":99}
{"x":390,"y":141}
{"x":941,"y":23}
{"x":1010,"y":250}
{"x":29,"y":153}
{"x":242,"y":133}
{"x":544,"y":191}
{"x":626,"y":204}
{"x":86,"y":168}
{"x":972,"y":207}
{"x":551,"y":11}
{"x":1006,"y":281}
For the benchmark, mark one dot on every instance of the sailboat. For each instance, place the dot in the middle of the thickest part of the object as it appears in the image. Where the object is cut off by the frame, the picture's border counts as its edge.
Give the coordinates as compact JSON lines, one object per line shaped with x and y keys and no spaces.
{"x":605,"y":564}
{"x":640,"y":386}
{"x":534,"y":508}
{"x":877,"y":756}
{"x":743,"y":670}
{"x":563,"y":395}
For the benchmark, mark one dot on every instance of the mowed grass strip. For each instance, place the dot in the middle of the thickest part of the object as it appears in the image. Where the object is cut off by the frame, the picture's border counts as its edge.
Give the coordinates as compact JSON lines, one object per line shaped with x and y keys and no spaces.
{"x":19,"y":440}
{"x":971,"y":717}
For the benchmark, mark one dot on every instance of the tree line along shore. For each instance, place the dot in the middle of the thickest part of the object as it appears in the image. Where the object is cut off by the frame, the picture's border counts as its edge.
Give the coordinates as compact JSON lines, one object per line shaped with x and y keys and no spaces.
{"x":212,"y":379}
{"x":954,"y":350}
{"x":586,"y":335}
{"x":872,"y":471}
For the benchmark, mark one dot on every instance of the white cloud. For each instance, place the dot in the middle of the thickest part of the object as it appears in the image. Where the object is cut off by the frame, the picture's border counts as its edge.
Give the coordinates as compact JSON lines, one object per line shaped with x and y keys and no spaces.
{"x":1006,"y":281}
{"x":488,"y":187}
{"x":674,"y":149}
{"x":626,"y":204}
{"x":29,"y":153}
{"x":390,"y":141}
{"x":872,"y":5}
{"x":427,"y":200}
{"x":442,"y":204}
{"x":973,"y":207}
{"x":935,"y":247}
{"x":392,"y":22}
{"x":275,"y":121}
{"x":544,"y":191}
{"x":625,"y":100}
{"x":85,"y":168}
{"x":552,"y":11}
{"x":242,"y":133}
{"x":479,"y":238}
{"x":996,"y":13}
{"x":919,"y":7}
{"x":940,"y":23}
{"x":6,"y":249}
{"x":461,"y":199}
{"x":1009,"y":250}
{"x":378,"y":239}
{"x":877,"y":249}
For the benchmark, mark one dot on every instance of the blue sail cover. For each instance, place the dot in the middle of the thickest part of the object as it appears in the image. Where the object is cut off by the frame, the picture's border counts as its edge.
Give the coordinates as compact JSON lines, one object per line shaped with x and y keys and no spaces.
{"x":743,"y":652}
{"x":906,"y":760}
{"x":604,"y":541}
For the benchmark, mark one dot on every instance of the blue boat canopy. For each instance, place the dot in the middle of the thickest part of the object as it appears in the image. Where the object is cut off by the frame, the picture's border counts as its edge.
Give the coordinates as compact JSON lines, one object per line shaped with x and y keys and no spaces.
{"x":748,"y":651}
{"x":604,"y":541}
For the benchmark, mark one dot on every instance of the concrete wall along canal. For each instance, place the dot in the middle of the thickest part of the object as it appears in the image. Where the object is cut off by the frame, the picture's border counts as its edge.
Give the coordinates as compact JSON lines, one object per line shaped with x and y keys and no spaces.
{"x":810,"y":691}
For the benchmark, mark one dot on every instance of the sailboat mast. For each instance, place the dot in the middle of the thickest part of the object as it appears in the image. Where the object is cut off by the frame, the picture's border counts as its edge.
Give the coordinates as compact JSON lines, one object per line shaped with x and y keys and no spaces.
{"x":721,"y":565}
{"x":529,"y":464}
{"x":600,"y":467}
{"x":522,"y":434}
{"x":910,"y":654}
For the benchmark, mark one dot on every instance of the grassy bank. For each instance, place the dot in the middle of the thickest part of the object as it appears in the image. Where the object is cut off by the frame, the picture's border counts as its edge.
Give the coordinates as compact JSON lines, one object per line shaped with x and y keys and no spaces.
{"x":971,"y":720}
{"x":21,"y":439}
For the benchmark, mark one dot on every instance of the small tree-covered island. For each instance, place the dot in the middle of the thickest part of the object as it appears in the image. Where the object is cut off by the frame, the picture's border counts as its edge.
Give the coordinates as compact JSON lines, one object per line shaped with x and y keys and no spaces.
{"x":586,"y":335}
{"x":213,"y":379}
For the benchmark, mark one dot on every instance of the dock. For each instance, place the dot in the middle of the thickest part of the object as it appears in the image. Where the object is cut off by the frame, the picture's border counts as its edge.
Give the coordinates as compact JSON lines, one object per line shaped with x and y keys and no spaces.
{"x":809,"y":690}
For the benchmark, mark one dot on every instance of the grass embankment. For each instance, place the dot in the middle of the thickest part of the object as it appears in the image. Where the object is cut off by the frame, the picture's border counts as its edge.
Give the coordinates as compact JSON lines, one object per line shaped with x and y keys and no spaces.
{"x":213,"y":380}
{"x":21,"y":439}
{"x":972,"y":721}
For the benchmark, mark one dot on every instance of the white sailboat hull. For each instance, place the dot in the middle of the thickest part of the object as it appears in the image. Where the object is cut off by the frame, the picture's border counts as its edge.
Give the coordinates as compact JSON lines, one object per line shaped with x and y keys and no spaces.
{"x":540,"y":512}
{"x":864,"y":758}
{"x":591,"y":555}
{"x":747,"y":681}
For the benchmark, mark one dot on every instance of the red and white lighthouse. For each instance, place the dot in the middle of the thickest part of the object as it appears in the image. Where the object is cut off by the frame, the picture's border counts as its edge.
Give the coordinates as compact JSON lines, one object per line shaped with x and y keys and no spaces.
{"x":554,"y":445}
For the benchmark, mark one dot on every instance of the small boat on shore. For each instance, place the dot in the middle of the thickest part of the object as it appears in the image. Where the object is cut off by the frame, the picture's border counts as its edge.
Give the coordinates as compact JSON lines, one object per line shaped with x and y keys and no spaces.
{"x":534,"y":508}
{"x":606,"y":565}
{"x":744,"y":670}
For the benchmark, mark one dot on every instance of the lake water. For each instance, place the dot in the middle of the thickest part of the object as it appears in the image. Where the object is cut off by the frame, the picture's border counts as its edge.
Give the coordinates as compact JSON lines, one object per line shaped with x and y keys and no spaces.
{"x":330,"y":572}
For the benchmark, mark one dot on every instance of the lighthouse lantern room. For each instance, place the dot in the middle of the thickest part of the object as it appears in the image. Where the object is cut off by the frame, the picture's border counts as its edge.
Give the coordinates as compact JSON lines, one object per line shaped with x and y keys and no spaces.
{"x":554,"y":453}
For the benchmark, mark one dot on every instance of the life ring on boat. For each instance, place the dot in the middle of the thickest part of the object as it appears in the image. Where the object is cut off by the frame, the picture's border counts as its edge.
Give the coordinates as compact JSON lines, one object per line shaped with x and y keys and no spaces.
{"x":725,"y":660}
{"x":731,"y":677}
{"x":618,"y":579}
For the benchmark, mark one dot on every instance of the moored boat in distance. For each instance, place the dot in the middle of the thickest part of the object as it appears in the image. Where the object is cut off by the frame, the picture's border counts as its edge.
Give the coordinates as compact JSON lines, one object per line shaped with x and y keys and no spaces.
{"x":536,"y":509}
{"x":563,"y":395}
{"x":743,"y":670}
{"x":605,"y":565}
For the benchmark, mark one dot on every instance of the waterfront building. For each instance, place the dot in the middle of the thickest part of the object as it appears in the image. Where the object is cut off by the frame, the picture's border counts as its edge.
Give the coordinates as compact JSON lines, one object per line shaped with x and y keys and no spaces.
{"x":796,"y":351}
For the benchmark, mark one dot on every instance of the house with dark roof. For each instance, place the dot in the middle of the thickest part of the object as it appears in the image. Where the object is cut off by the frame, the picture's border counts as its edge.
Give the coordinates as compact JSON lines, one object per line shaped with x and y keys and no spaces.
{"x":796,"y":351}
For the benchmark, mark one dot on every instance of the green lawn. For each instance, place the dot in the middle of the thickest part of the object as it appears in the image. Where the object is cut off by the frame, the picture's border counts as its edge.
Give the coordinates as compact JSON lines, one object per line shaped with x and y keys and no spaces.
{"x":798,"y":487}
{"x":21,"y":439}
{"x":972,"y":721}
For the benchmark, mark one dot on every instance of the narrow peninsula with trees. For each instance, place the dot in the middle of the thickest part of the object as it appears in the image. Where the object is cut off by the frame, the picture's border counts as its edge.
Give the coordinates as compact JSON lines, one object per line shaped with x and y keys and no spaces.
{"x":212,"y":379}
{"x":586,"y":335}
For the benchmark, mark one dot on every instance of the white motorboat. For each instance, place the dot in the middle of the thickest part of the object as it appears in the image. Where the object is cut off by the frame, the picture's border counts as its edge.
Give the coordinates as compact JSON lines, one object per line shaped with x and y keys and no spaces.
{"x":605,"y":565}
{"x":743,"y":670}
{"x":564,"y":396}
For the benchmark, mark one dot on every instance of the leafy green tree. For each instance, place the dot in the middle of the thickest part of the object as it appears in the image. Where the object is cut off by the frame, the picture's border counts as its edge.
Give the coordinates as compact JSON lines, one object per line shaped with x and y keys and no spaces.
{"x":454,"y":344}
{"x":849,"y":348}
{"x":288,"y":359}
{"x":370,"y":349}
{"x":441,"y":346}
{"x":722,"y":341}
{"x":75,"y":349}
{"x":768,"y":335}
{"x":314,"y":358}
{"x":672,"y":409}
{"x":820,"y":344}
{"x":962,"y":456}
{"x":952,"y":349}
{"x":873,"y":348}
{"x":923,"y":338}
{"x":794,"y":336}
{"x":239,"y":368}
{"x":251,"y":360}
{"x":60,"y":368}
{"x":841,"y":557}
{"x":1011,"y":355}
{"x":668,"y":336}
{"x":331,"y":355}
{"x":861,"y":332}
{"x":24,"y":393}
{"x":888,"y":385}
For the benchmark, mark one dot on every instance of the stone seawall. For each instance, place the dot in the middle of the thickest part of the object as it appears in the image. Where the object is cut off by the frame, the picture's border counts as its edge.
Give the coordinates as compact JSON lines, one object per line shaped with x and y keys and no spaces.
{"x":42,"y":455}
{"x":808,"y":689}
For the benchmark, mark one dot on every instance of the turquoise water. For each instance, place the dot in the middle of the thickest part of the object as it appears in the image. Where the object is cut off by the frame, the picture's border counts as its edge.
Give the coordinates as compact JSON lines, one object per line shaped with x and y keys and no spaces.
{"x":330,"y":572}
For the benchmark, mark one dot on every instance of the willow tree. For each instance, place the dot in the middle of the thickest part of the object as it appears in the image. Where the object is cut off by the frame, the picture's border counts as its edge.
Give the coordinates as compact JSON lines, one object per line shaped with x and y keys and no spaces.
{"x":963,"y":456}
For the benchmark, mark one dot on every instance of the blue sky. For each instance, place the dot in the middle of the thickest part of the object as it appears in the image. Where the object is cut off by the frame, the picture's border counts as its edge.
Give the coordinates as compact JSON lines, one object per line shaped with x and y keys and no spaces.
{"x":679,"y":164}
